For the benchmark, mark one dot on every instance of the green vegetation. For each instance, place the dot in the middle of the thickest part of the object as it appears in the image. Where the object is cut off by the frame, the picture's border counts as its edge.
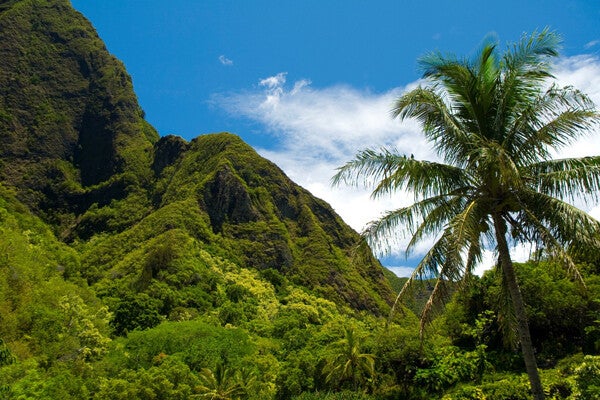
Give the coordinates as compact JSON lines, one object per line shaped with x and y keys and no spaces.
{"x":133,"y":267}
{"x":347,"y":365}
{"x":495,"y":123}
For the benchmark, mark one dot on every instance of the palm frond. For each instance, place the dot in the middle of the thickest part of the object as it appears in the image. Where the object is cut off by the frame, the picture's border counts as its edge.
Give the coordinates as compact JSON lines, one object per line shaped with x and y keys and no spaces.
{"x":439,"y":295}
{"x":474,"y":257}
{"x":463,"y":233}
{"x":380,"y":234}
{"x":494,"y":165}
{"x":551,"y":120}
{"x":421,"y":219}
{"x":467,"y":226}
{"x":427,"y":268}
{"x":566,"y":223}
{"x":433,"y":220}
{"x":558,"y":253}
{"x":552,"y":238}
{"x":394,"y":172}
{"x":563,"y":130}
{"x":570,"y":178}
{"x":440,"y":124}
{"x":423,"y":178}
{"x":444,"y":262}
{"x":368,"y":167}
{"x":530,"y":57}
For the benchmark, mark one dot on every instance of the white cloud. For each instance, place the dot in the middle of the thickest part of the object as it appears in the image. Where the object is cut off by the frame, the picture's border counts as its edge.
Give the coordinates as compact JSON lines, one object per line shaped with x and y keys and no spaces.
{"x":274,"y":82}
{"x":298,"y":85}
{"x":225,"y":61}
{"x":582,"y":72}
{"x":317,"y":130}
{"x":400,"y":271}
{"x":595,"y":212}
{"x":591,"y":44}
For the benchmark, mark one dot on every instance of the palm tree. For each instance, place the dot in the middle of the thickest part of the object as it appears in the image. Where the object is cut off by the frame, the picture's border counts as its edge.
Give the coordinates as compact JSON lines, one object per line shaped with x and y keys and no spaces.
{"x":495,"y":122}
{"x":348,"y":364}
{"x":222,"y":384}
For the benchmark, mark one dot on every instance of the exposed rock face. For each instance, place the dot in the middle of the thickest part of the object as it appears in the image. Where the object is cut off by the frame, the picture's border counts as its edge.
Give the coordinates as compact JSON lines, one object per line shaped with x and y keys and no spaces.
{"x":227,"y":199}
{"x":167,"y":151}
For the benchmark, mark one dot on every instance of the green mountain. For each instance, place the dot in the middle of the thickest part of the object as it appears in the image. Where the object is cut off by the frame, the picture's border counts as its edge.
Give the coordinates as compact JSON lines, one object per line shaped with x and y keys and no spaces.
{"x":117,"y":242}
{"x":71,"y":130}
{"x":77,"y":151}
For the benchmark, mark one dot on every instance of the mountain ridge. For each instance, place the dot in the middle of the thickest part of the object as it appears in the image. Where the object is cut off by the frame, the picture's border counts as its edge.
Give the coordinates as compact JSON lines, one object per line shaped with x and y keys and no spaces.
{"x":75,"y":145}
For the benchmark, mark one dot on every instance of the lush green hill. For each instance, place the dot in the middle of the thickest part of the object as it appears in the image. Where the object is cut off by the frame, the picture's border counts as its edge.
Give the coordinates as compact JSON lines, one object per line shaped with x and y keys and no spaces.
{"x":134,"y":266}
{"x":220,"y":197}
{"x":75,"y":146}
{"x":108,"y":229}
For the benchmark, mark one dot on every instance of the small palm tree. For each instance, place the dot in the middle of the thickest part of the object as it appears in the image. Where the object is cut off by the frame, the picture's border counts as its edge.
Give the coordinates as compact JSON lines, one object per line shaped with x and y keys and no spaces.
{"x":348,"y":364}
{"x":496,"y":123}
{"x":222,"y":384}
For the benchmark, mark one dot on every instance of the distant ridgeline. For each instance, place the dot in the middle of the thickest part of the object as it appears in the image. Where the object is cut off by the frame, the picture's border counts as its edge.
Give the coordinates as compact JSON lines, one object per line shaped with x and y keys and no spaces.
{"x":139,"y":211}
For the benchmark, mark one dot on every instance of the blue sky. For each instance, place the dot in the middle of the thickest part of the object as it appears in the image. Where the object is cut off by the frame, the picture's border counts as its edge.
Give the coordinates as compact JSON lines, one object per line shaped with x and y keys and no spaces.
{"x":308,"y":83}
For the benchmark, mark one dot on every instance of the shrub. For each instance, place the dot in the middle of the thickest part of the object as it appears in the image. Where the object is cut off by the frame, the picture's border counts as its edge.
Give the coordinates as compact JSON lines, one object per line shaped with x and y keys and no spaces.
{"x":587,"y":379}
{"x":138,"y":311}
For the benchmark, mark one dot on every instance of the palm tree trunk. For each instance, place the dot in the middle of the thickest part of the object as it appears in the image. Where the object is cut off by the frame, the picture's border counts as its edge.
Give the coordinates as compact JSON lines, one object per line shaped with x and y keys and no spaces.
{"x":519,"y":308}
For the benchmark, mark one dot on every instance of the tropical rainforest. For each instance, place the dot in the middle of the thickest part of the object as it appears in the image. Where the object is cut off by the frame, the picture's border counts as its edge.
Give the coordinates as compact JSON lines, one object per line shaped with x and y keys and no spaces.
{"x":134,"y":266}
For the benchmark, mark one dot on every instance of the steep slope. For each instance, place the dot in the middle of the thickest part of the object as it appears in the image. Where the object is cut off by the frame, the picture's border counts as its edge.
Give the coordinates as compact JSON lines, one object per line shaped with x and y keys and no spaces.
{"x":269,"y":222}
{"x":219,"y":193}
{"x":70,"y":124}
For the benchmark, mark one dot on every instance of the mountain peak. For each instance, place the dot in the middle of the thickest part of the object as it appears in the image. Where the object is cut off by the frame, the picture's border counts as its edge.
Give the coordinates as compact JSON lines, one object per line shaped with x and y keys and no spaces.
{"x":74,"y":144}
{"x":68,"y":112}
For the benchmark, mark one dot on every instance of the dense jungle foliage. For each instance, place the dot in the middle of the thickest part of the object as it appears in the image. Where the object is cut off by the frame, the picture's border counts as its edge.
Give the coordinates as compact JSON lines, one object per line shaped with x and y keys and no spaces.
{"x":139,"y":267}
